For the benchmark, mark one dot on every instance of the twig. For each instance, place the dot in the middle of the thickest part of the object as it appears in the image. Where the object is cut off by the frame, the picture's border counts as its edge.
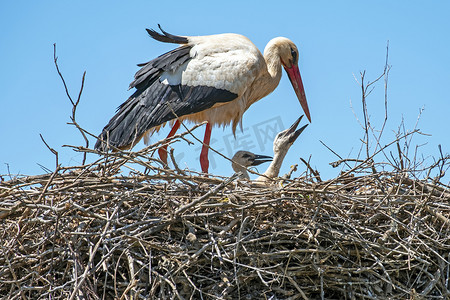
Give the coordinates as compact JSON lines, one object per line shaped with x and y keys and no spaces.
{"x":92,"y":254}
{"x":207,"y":195}
{"x":51,"y":150}
{"x":74,"y":104}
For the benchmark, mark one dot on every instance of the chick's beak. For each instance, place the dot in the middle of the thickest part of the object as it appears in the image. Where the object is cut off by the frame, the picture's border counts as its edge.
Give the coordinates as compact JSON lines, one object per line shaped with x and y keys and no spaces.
{"x":259,"y":159}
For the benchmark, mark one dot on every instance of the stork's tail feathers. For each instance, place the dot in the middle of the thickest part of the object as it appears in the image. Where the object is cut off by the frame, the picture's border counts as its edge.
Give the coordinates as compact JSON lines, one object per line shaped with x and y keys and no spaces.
{"x":102,"y":143}
{"x":167,"y":37}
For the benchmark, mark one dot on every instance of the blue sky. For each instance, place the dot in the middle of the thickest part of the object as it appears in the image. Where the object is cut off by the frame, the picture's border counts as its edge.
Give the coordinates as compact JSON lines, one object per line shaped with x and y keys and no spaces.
{"x":336,"y":39}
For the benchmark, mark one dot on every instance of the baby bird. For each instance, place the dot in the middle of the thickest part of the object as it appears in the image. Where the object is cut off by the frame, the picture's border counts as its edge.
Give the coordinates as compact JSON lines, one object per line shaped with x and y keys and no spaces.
{"x":283,"y":141}
{"x":244,"y":159}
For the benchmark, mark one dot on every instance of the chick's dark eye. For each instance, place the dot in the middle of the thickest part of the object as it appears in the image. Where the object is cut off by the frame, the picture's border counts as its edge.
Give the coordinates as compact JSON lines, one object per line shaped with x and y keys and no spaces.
{"x":294,"y":55}
{"x":245,"y":155}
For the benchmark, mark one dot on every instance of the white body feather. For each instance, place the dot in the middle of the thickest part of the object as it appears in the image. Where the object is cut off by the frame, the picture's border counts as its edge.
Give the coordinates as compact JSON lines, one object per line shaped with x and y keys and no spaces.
{"x":224,"y":61}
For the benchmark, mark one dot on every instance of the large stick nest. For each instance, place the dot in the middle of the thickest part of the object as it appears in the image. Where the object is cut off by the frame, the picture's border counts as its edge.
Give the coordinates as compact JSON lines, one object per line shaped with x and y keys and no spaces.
{"x":89,"y":232}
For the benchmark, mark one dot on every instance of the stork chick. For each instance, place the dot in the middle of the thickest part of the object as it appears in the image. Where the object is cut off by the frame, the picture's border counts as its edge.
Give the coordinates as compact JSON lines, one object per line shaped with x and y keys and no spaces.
{"x":283,"y":141}
{"x":244,"y":159}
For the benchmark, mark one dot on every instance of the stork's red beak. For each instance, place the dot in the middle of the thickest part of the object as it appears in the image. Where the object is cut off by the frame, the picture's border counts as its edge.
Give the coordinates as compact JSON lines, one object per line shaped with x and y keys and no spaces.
{"x":296,"y":80}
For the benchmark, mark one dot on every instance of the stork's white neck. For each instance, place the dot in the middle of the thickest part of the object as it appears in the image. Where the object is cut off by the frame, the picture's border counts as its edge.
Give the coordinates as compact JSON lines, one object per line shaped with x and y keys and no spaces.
{"x":274,"y":168}
{"x":270,"y":77}
{"x":273,"y":61}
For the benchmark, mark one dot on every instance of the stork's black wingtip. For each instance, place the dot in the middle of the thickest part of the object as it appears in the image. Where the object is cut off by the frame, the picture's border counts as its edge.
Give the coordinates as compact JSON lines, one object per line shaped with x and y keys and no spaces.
{"x":151,"y":31}
{"x":166,"y":37}
{"x":99,"y":146}
{"x":164,"y":32}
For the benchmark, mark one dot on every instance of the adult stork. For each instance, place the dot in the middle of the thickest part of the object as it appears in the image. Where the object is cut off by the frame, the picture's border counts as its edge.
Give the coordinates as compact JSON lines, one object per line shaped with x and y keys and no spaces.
{"x":211,"y":78}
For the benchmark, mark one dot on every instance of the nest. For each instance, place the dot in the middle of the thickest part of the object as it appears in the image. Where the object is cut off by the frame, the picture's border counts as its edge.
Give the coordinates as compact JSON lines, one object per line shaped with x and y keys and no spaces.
{"x":89,"y":232}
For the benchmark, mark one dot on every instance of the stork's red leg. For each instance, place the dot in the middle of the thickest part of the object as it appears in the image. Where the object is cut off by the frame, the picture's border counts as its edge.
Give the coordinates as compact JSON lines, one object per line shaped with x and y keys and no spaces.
{"x":204,"y":162}
{"x":163,"y":150}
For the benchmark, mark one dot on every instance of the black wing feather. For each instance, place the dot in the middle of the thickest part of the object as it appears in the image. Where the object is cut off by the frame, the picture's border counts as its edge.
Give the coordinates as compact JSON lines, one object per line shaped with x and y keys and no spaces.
{"x":154,"y":106}
{"x":166,"y":62}
{"x":167,"y":37}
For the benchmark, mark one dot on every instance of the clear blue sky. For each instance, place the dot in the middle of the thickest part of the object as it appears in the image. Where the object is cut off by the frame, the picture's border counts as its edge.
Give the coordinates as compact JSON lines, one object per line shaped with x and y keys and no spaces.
{"x":337,"y":39}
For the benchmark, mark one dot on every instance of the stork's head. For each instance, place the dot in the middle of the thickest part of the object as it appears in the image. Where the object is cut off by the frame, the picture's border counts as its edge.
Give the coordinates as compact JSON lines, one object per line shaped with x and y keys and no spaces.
{"x":244,"y":159}
{"x":288,"y":53}
{"x":248,"y":159}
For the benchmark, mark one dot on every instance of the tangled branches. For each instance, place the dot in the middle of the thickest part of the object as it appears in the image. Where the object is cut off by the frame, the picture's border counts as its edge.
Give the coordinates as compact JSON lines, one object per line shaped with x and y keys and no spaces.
{"x":94,"y":233}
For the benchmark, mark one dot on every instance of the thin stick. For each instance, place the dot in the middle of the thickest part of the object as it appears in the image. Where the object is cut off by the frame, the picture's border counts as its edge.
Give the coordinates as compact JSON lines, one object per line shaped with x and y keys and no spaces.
{"x":74,"y":104}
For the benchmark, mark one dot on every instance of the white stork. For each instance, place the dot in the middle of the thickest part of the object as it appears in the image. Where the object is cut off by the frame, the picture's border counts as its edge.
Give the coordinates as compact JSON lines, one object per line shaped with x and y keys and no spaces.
{"x":211,"y":78}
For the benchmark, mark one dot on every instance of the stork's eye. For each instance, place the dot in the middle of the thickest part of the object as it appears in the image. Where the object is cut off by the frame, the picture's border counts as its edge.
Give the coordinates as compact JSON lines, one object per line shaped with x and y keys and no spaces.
{"x":294,"y":55}
{"x":245,"y":155}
